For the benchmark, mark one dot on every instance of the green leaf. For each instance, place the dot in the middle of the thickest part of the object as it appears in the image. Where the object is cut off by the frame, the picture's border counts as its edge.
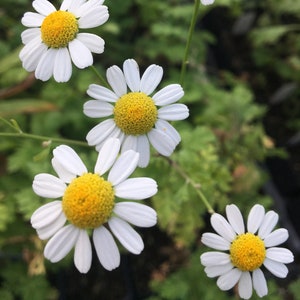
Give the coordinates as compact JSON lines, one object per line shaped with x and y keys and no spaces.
{"x":270,"y":35}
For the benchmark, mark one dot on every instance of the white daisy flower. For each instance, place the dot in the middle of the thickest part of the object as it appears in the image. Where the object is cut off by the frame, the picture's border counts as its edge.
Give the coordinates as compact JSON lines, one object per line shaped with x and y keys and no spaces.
{"x":247,"y":251}
{"x":89,"y":202}
{"x":53,"y":39}
{"x":138,"y":118}
{"x":207,"y":2}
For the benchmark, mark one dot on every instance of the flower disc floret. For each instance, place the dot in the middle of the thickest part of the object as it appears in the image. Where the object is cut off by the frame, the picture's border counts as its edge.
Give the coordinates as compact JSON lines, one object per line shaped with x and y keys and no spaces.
{"x":247,"y":252}
{"x":88,"y":201}
{"x":135,"y":113}
{"x":59,"y":28}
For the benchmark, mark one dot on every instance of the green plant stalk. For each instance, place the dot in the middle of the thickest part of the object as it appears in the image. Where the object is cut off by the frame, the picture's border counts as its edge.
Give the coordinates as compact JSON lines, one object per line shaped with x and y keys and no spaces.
{"x":19,"y":133}
{"x":185,"y":59}
{"x":102,"y":80}
{"x":43,"y":138}
{"x":10,"y":124}
{"x":195,"y":185}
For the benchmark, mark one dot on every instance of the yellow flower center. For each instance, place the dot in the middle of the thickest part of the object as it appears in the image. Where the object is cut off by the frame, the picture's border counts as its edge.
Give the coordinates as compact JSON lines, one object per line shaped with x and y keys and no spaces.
{"x":88,"y":201}
{"x":135,"y":113}
{"x":247,"y":252}
{"x":59,"y":28}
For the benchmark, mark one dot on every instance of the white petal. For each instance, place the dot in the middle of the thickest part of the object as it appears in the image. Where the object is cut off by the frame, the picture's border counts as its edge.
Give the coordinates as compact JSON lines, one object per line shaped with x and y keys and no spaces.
{"x":65,"y":5}
{"x":87,"y":6}
{"x":143,"y":148}
{"x":126,"y":235}
{"x":99,"y":92}
{"x":218,"y":270}
{"x":214,"y":258}
{"x":31,"y":44}
{"x":151,"y":79}
{"x":276,"y":268}
{"x":169,"y":130}
{"x":228,"y":280}
{"x":31,"y":19}
{"x":30,"y":34}
{"x":83,"y":252}
{"x":215,"y":241}
{"x":135,"y":213}
{"x":106,"y":248}
{"x":107,"y":155}
{"x":116,"y":79}
{"x":173,"y":112}
{"x":235,"y":218}
{"x":276,"y":237}
{"x":69,"y":159}
{"x":80,"y":54}
{"x":130,"y":143}
{"x":72,"y":6}
{"x":279,"y":254}
{"x":269,"y":222}
{"x":62,"y":173}
{"x":61,"y":243}
{"x":169,"y":94}
{"x":132,"y":74}
{"x":97,"y":109}
{"x":139,"y":144}
{"x":100,"y":132}
{"x":44,"y":69}
{"x":49,"y":230}
{"x":46,"y":214}
{"x":62,"y":69}
{"x":207,"y":2}
{"x":136,"y":188}
{"x":116,"y":133}
{"x":93,"y":18}
{"x":259,"y":283}
{"x":162,"y":143}
{"x":222,"y":227}
{"x":245,"y":285}
{"x":48,"y":186}
{"x":123,"y":167}
{"x":93,"y":42}
{"x":43,"y":7}
{"x":255,"y":218}
{"x":31,"y":54}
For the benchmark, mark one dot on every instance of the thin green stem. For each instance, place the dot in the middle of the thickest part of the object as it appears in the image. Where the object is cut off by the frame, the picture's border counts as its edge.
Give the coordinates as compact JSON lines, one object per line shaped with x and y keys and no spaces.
{"x":43,"y":138}
{"x":10,"y":124}
{"x":20,"y":134}
{"x":195,"y":185}
{"x":102,"y":80}
{"x":185,"y":60}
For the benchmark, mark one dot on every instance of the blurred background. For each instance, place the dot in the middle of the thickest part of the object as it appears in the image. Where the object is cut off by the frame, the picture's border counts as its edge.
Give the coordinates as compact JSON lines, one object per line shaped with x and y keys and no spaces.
{"x":240,"y":144}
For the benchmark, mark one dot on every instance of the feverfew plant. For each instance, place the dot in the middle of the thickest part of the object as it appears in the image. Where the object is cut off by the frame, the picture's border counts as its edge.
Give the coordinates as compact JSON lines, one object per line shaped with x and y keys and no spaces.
{"x":53,"y":39}
{"x":185,"y":173}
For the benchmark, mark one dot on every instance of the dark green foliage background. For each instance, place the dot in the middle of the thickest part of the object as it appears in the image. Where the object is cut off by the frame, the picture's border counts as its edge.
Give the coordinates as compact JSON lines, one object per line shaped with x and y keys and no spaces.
{"x":223,"y":141}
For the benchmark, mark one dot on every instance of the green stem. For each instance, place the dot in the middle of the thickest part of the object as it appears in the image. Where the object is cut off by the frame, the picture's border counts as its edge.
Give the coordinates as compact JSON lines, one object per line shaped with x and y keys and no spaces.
{"x":195,"y":185}
{"x":43,"y":138}
{"x":10,"y":124}
{"x":102,"y":80}
{"x":185,"y":60}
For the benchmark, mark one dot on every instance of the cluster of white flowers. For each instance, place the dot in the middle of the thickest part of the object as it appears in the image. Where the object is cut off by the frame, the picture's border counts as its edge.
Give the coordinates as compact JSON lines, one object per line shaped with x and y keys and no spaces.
{"x":138,"y":117}
{"x":88,"y":200}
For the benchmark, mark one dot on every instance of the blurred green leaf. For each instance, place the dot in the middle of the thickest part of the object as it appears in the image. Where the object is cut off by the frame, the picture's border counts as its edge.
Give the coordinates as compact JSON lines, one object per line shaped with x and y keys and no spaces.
{"x":271,"y":34}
